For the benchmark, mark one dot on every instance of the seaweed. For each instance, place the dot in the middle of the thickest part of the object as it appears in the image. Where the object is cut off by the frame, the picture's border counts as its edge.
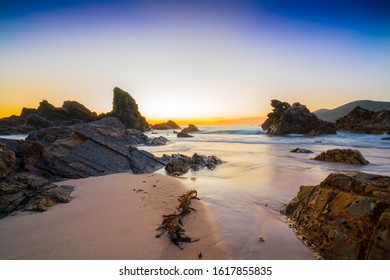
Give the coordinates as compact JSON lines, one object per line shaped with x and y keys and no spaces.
{"x":173,"y":223}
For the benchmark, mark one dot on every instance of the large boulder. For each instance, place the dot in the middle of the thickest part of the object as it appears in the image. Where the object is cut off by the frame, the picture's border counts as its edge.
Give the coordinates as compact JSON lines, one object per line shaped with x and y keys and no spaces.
{"x":344,"y":217}
{"x":191,"y":128}
{"x":126,"y":110}
{"x":295,"y":119}
{"x":166,"y":125}
{"x":343,"y":156}
{"x":361,"y":120}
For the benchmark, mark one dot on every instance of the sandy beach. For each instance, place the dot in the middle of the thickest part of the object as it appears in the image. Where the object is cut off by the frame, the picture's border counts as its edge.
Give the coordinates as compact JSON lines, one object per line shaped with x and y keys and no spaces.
{"x":111,"y":217}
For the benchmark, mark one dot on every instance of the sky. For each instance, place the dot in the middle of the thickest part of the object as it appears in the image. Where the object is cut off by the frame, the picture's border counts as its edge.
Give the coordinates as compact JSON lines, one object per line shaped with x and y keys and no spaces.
{"x":194,"y":60}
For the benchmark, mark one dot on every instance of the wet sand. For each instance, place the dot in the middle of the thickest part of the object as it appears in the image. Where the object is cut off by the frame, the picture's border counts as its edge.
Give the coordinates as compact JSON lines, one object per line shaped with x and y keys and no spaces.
{"x":111,"y":217}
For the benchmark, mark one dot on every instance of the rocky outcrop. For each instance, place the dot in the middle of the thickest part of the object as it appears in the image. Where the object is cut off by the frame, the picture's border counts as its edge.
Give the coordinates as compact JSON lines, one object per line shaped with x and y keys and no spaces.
{"x":126,"y":110}
{"x":343,"y":156}
{"x":345,"y":217}
{"x":166,"y":125}
{"x":361,"y":120}
{"x":29,"y":192}
{"x":301,"y":151}
{"x":46,"y":115}
{"x":158,"y":141}
{"x":295,"y":119}
{"x":7,"y":160}
{"x":190,"y":129}
{"x":179,"y":164}
{"x":53,"y":154}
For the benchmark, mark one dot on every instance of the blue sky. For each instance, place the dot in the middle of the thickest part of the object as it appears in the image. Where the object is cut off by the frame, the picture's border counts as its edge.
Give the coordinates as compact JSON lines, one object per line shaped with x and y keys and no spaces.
{"x":194,"y":59}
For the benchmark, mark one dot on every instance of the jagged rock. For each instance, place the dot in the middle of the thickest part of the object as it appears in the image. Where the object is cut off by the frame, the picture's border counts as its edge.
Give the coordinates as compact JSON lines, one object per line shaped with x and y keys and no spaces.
{"x":7,"y":160}
{"x":158,"y":141}
{"x":79,"y":111}
{"x":126,"y":110}
{"x":345,"y":217}
{"x":343,"y":156}
{"x":183,"y":135}
{"x":361,"y":120}
{"x":301,"y":151}
{"x":38,"y":121}
{"x":191,"y":128}
{"x":295,"y":119}
{"x":180,"y":164}
{"x":166,"y":125}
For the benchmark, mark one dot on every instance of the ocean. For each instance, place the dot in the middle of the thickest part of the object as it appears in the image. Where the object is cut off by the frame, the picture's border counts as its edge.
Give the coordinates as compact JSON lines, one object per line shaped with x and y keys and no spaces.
{"x":260,"y":174}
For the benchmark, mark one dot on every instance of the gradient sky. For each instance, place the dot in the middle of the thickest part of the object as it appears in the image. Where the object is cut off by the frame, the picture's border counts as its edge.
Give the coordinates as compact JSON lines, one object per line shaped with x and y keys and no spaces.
{"x":194,"y":59}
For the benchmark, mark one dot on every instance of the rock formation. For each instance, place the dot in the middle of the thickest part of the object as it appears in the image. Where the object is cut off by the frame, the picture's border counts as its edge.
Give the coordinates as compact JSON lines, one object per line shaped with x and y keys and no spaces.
{"x":126,"y":110}
{"x":191,"y":128}
{"x":166,"y":125}
{"x":360,"y":120}
{"x":158,"y":141}
{"x":301,"y":151}
{"x":56,"y":153}
{"x":343,"y":156}
{"x":179,"y":164}
{"x":183,"y":135}
{"x":345,"y":217}
{"x":295,"y":119}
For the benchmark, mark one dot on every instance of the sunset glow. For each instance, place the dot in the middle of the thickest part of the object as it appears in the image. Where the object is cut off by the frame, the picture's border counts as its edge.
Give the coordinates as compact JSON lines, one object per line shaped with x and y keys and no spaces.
{"x":194,"y":61}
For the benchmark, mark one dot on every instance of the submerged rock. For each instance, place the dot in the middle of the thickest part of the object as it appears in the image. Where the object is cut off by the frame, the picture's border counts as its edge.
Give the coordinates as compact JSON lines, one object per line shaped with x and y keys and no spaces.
{"x":343,"y":156}
{"x":345,"y":217}
{"x":183,"y":135}
{"x":301,"y":151}
{"x":295,"y":119}
{"x":179,"y":164}
{"x":158,"y":141}
{"x":361,"y":120}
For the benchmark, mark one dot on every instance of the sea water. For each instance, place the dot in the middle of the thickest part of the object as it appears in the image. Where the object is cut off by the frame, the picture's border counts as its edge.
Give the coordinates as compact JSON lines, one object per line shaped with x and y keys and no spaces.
{"x":260,"y":174}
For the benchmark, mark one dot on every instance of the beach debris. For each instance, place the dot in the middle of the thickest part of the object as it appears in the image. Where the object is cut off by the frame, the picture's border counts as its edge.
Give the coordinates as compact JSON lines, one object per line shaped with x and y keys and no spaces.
{"x":173,"y":223}
{"x":200,"y":255}
{"x":261,"y":239}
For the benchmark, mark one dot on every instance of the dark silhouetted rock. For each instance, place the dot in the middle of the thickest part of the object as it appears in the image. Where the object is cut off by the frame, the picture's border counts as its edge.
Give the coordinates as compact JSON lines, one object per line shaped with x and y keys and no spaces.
{"x":360,"y":120}
{"x":38,"y":121}
{"x":180,"y":164}
{"x":345,"y":217}
{"x":190,"y":129}
{"x":158,"y":141}
{"x":126,"y":110}
{"x":301,"y":151}
{"x":343,"y":156}
{"x":183,"y":135}
{"x":166,"y":125}
{"x":295,"y":119}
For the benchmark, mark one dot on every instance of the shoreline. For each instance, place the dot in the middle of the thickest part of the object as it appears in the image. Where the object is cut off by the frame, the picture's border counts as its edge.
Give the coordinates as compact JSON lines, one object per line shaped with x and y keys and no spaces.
{"x":111,"y":217}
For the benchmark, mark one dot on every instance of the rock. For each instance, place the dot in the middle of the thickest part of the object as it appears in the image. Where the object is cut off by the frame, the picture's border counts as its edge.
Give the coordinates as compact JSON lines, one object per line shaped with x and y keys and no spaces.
{"x":386,"y":138}
{"x":180,"y":164}
{"x":301,"y":151}
{"x":295,"y":119}
{"x":126,"y":110}
{"x":183,"y":135}
{"x":38,"y":121}
{"x":361,"y":120}
{"x":345,"y":217}
{"x":191,"y":128}
{"x":166,"y":125}
{"x":7,"y":160}
{"x":343,"y":156}
{"x":158,"y":141}
{"x":79,"y":111}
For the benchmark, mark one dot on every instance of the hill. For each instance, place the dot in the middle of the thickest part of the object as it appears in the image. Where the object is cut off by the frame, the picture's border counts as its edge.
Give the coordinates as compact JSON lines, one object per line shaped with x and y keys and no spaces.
{"x":332,"y":115}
